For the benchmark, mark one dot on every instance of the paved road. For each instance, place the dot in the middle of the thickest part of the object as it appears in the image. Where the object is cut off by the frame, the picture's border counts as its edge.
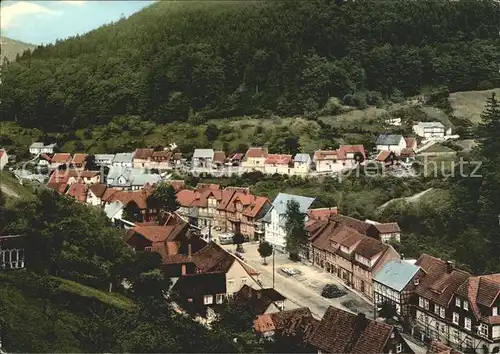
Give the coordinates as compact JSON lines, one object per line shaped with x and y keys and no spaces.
{"x":303,"y":290}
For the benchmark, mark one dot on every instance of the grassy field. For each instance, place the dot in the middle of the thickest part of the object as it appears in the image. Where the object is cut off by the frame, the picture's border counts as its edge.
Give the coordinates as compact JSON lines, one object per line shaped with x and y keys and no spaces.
{"x":11,"y":187}
{"x":470,"y":104}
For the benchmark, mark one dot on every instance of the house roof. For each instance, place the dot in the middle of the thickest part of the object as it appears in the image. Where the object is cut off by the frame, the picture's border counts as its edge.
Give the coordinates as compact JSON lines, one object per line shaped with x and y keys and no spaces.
{"x":406,"y":152}
{"x":279,"y":320}
{"x":256,"y":152}
{"x":302,"y":158}
{"x":186,"y":197}
{"x":59,"y":187}
{"x":389,"y":139}
{"x":237,"y":156}
{"x":79,"y":158}
{"x":358,"y":225}
{"x":259,"y":300}
{"x":163,"y":155}
{"x":441,"y":280}
{"x":159,"y":233}
{"x":203,"y":154}
{"x":383,"y":155}
{"x":343,"y":332}
{"x":343,"y":150}
{"x":98,"y":189}
{"x":482,"y":290}
{"x":280,"y":204}
{"x":123,"y":157}
{"x":112,"y":209}
{"x":177,"y":184}
{"x":39,"y":145}
{"x":322,"y":213}
{"x":201,"y":187}
{"x":385,"y":228}
{"x":143,"y":154}
{"x":396,"y":275}
{"x":219,"y":156}
{"x":256,"y":206}
{"x":126,"y":197}
{"x":213,"y":258}
{"x":278,"y":159}
{"x":78,"y":191}
{"x":430,"y":124}
{"x":326,"y":155}
{"x":61,"y":157}
{"x":109,"y":157}
{"x":194,"y":286}
{"x":437,"y":347}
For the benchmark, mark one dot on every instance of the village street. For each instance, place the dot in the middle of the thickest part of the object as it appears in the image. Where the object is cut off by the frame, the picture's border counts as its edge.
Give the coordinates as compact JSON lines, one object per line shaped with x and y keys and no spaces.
{"x":302,"y":290}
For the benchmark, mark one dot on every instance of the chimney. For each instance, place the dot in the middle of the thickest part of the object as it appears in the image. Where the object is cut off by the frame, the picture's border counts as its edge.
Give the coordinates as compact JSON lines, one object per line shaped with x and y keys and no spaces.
{"x":189,"y":250}
{"x":449,"y":266}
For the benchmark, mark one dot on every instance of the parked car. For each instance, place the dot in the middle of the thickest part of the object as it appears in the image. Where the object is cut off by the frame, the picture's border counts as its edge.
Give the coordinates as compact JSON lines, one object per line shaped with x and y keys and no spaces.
{"x":333,"y":291}
{"x":291,"y":271}
{"x":226,"y":238}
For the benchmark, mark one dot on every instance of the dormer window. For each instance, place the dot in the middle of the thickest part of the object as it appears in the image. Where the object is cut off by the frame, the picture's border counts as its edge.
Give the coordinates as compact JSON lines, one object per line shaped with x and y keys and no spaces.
{"x":483,"y":329}
{"x":466,"y":306}
{"x":494,"y":311}
{"x":457,"y":302}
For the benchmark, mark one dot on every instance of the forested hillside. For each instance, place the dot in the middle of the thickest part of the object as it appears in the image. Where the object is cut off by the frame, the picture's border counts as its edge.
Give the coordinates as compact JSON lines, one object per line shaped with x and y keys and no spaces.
{"x":10,"y":48}
{"x":178,"y":61}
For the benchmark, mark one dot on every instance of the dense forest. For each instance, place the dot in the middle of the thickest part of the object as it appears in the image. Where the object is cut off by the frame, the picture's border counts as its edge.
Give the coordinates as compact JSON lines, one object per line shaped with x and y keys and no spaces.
{"x":191,"y":61}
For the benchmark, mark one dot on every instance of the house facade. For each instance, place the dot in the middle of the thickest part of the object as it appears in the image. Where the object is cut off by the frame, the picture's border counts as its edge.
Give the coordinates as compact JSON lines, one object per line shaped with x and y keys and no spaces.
{"x":203,"y":158}
{"x":142,"y":158}
{"x":275,"y":218}
{"x":395,"y":143}
{"x":254,"y":159}
{"x":394,"y":283}
{"x":161,"y":160}
{"x":104,"y":159}
{"x":123,"y":159}
{"x":60,"y":159}
{"x":302,"y":164}
{"x":278,"y":163}
{"x":429,"y":130}
{"x":79,"y":161}
{"x":345,"y":157}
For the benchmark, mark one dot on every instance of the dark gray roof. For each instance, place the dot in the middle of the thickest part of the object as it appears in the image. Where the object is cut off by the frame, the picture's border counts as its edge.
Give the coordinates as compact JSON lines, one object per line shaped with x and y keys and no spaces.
{"x":388,"y":139}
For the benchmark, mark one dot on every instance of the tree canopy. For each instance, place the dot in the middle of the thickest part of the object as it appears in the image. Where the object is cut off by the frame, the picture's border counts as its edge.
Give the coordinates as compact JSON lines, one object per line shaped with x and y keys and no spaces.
{"x":296,"y":236}
{"x":179,"y":61}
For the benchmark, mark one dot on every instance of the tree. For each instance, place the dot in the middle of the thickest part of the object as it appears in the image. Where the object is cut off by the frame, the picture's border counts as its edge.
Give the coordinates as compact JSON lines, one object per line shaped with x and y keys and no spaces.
{"x":133,"y":212}
{"x":90,"y":164}
{"x":387,"y":310}
{"x":296,"y":236}
{"x":164,"y":197}
{"x":265,"y":250}
{"x":211,"y":132}
{"x":238,"y":240}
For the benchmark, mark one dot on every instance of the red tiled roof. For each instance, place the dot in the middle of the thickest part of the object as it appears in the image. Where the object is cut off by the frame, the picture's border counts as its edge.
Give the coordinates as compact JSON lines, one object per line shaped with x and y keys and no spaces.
{"x":98,"y":189}
{"x":237,"y":156}
{"x":482,"y":290}
{"x":201,"y":187}
{"x":79,"y":158}
{"x":388,"y":228}
{"x":441,"y":280}
{"x":164,"y":155}
{"x":61,"y":158}
{"x":78,"y":191}
{"x":279,"y":320}
{"x":46,"y":157}
{"x":88,"y":174}
{"x":256,"y":152}
{"x":125,"y":197}
{"x":322,"y":213}
{"x":143,"y":154}
{"x":108,"y":193}
{"x":255,"y":207}
{"x":186,"y":197}
{"x":436,"y":347}
{"x":263,"y":323}
{"x":159,"y":233}
{"x":347,"y":149}
{"x":219,"y":156}
{"x":407,"y":152}
{"x":177,"y":184}
{"x":358,"y":225}
{"x":259,"y":300}
{"x":343,"y":332}
{"x":326,"y":155}
{"x":213,"y":258}
{"x":278,"y":159}
{"x":383,"y":155}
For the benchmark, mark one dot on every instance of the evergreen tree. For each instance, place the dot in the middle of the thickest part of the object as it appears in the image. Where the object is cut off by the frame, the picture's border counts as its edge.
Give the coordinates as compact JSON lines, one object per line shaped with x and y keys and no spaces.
{"x":164,"y":197}
{"x":296,"y":236}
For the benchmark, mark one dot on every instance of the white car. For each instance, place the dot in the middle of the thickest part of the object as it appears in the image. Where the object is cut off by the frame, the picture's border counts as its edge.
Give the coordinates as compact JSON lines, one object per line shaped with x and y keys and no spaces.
{"x":291,"y":271}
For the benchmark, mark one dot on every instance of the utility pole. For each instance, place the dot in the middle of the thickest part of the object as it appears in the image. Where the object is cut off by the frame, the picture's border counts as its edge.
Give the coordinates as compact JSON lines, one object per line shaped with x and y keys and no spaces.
{"x":273,"y":267}
{"x":209,"y":231}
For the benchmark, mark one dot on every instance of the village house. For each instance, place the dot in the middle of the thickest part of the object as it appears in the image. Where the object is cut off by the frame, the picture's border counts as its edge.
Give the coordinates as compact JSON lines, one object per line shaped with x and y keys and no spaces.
{"x":79,"y":161}
{"x":60,"y":159}
{"x":345,"y":157}
{"x":114,"y":212}
{"x":44,"y":160}
{"x":386,"y":158}
{"x":12,"y":252}
{"x":387,"y":232}
{"x":161,"y":160}
{"x":459,"y":310}
{"x":4,"y":158}
{"x":203,"y":158}
{"x":351,"y":256}
{"x":95,"y":193}
{"x":394,"y":284}
{"x":204,"y":288}
{"x":343,"y":332}
{"x":260,"y":301}
{"x":40,"y":148}
{"x":302,"y":164}
{"x":78,"y":191}
{"x":136,"y":201}
{"x":87,"y":177}
{"x":104,"y":159}
{"x":177,"y":159}
{"x":126,"y":178}
{"x":429,"y":130}
{"x":275,"y":218}
{"x":436,"y":347}
{"x":219,"y":159}
{"x":142,"y":158}
{"x":391,"y":142}
{"x":278,"y":163}
{"x":384,"y":232}
{"x":289,"y":323}
{"x":254,"y":159}
{"x":322,"y":213}
{"x":234,"y":159}
{"x":123,"y":159}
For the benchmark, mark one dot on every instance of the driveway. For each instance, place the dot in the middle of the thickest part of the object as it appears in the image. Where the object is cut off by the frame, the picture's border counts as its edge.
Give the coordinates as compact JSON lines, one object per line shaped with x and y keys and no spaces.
{"x":302,"y":290}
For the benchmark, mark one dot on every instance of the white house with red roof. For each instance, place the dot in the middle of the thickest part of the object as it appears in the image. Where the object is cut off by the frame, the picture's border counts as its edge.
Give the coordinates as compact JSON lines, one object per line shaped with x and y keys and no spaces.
{"x":278,"y":163}
{"x":345,"y":157}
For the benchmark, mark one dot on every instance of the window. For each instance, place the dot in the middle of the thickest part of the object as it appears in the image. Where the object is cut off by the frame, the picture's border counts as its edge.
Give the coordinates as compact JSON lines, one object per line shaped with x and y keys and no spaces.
{"x":442,"y":312}
{"x":495,"y":311}
{"x":468,"y":342}
{"x":243,"y":281}
{"x":230,"y":282}
{"x":466,"y":306}
{"x":426,"y":304}
{"x":219,"y":298}
{"x":456,"y":317}
{"x":457,"y":302}
{"x":421,"y":302}
{"x":436,"y":309}
{"x":467,"y":323}
{"x":392,"y":334}
{"x":208,"y":299}
{"x":483,"y":329}
{"x":399,"y":348}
